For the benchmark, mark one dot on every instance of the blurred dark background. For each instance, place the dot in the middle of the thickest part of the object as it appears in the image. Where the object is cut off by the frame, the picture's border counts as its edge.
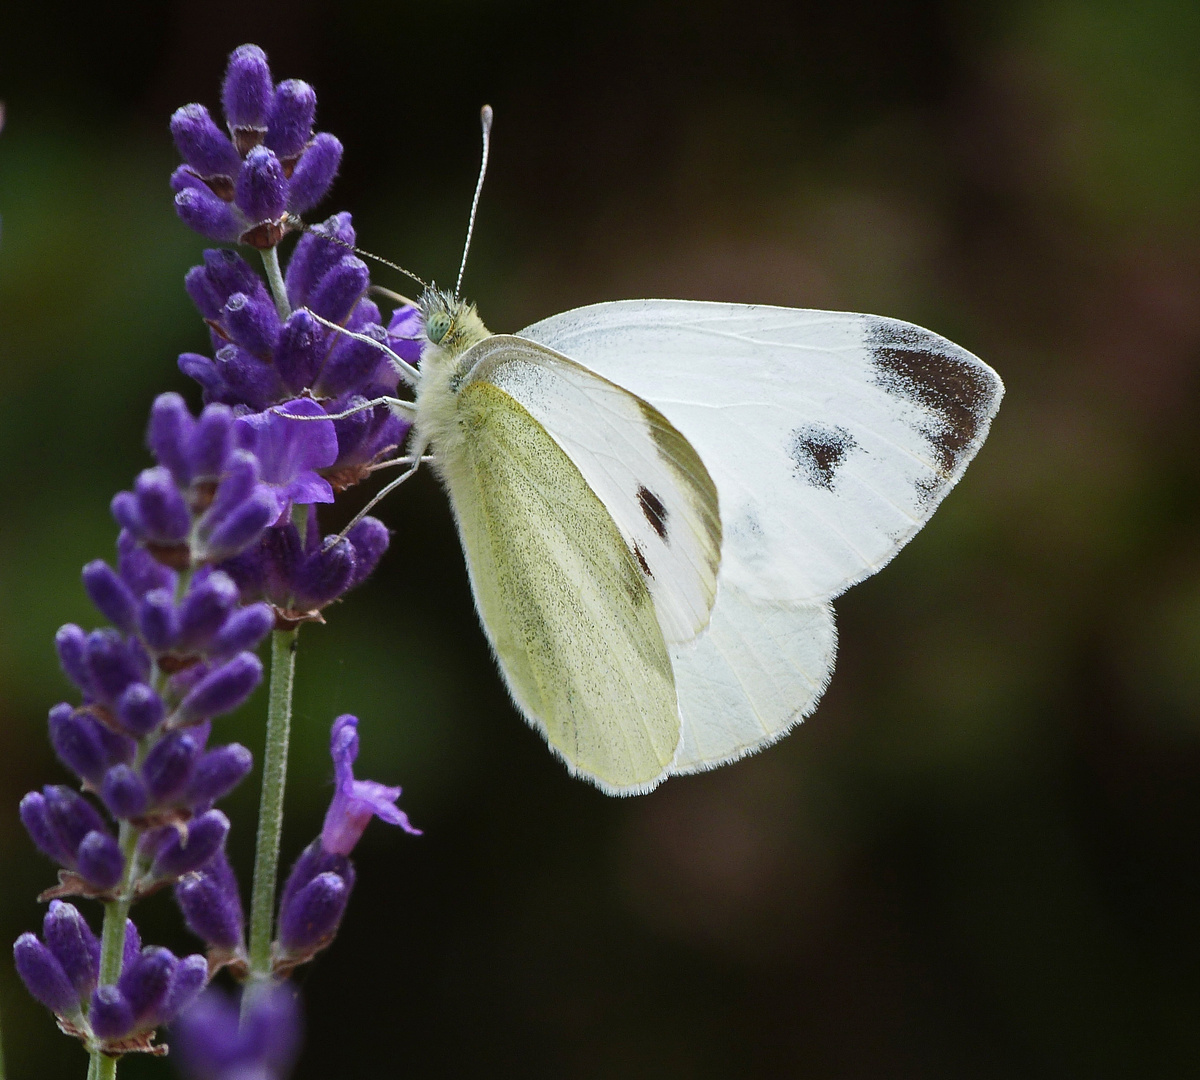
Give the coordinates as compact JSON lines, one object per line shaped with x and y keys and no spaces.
{"x":981,"y":857}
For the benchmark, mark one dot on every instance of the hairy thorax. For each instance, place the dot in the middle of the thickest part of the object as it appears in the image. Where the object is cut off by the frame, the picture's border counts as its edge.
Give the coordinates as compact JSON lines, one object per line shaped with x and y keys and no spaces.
{"x":452,"y":326}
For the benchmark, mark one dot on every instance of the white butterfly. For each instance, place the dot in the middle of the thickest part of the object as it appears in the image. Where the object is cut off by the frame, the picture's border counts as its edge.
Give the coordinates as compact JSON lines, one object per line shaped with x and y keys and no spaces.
{"x":658,"y":499}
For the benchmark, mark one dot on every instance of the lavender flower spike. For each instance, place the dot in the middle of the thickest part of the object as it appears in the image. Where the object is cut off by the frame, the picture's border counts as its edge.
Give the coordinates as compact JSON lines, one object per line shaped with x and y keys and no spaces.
{"x":355,"y":802}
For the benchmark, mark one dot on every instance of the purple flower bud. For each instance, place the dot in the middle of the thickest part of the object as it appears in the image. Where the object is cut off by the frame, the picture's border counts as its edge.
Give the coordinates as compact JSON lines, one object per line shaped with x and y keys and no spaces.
{"x":110,"y":594}
{"x":99,"y":860}
{"x":242,"y":526}
{"x":249,"y":379}
{"x":168,"y":767}
{"x":340,"y":289}
{"x":71,"y":643}
{"x":355,"y":801}
{"x":353,"y":363}
{"x":201,"y":211}
{"x":124,"y":793}
{"x":110,"y":1014}
{"x":145,"y":984}
{"x":314,"y":256}
{"x":230,"y":273}
{"x":314,"y":173}
{"x":324,"y":575}
{"x":35,"y":816}
{"x":214,"y":1039}
{"x":299,"y":351}
{"x":222,"y":690}
{"x":187,"y":980}
{"x":158,"y":621}
{"x":262,"y":190}
{"x":310,"y":920}
{"x":77,"y":743}
{"x":239,"y":482}
{"x":208,"y":604}
{"x":140,"y":570}
{"x":176,"y":856}
{"x":133,"y":945}
{"x":77,"y":949}
{"x":217,"y":773}
{"x":211,"y":906}
{"x":370,"y":538}
{"x":160,"y":507}
{"x":247,"y":93}
{"x":203,"y":145}
{"x":292,"y":112}
{"x":44,"y":977}
{"x":369,"y":434}
{"x":114,"y":663}
{"x":211,"y":442}
{"x":204,"y":370}
{"x":252,"y":324}
{"x":200,"y":288}
{"x":243,"y":630}
{"x":71,"y":816}
{"x":140,"y":709}
{"x":167,"y":435}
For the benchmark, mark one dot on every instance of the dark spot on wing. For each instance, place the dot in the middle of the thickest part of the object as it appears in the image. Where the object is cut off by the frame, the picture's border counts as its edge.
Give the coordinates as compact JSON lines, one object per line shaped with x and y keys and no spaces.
{"x":819,"y":452}
{"x":654,"y":511}
{"x":637,"y":554}
{"x":927,"y":370}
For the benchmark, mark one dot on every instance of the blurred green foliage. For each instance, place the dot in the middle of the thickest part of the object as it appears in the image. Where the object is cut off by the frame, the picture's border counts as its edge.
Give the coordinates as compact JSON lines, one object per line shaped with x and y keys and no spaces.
{"x":981,"y":857}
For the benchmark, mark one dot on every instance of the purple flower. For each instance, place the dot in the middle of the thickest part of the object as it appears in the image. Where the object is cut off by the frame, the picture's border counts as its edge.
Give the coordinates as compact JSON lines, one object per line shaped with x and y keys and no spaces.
{"x":290,"y":451}
{"x":355,"y":802}
{"x":313,"y":902}
{"x":154,"y":987}
{"x":299,"y":577}
{"x":215,"y":1040}
{"x":243,"y":188}
{"x":211,"y":905}
{"x":206,"y":501}
{"x":68,"y":829}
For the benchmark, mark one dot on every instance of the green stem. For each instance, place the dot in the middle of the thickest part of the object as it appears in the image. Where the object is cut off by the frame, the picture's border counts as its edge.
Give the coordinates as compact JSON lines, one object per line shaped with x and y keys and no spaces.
{"x":270,"y":807}
{"x":112,"y":940}
{"x":270,"y":258}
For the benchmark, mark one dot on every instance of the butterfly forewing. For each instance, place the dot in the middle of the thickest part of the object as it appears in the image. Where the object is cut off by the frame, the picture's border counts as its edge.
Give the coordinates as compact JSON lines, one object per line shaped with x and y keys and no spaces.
{"x":651,"y":481}
{"x":561,"y":595}
{"x":831,"y":436}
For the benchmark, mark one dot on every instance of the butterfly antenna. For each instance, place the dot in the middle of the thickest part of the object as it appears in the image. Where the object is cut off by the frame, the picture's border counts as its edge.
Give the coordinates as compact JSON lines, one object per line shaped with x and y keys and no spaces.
{"x":485,"y":120}
{"x":295,"y":223}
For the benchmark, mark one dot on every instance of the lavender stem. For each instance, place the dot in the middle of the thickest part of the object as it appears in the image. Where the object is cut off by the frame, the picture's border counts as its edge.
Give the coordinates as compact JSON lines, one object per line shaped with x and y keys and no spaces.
{"x":270,"y":258}
{"x":270,"y":812}
{"x":112,"y":941}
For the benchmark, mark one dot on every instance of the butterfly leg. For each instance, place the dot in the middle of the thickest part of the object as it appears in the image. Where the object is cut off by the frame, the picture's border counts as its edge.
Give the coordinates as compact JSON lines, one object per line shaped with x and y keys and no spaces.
{"x":387,"y":489}
{"x":403,"y":368}
{"x":405,"y":408}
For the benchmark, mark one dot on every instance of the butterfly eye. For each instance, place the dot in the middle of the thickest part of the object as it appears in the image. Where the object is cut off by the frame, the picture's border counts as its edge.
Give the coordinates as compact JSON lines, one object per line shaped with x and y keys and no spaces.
{"x":437,"y":326}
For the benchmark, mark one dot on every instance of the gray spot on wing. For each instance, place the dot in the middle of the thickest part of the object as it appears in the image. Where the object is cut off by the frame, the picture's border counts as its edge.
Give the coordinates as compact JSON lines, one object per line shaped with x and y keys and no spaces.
{"x":818,"y":452}
{"x":653,"y":510}
{"x":946,"y":381}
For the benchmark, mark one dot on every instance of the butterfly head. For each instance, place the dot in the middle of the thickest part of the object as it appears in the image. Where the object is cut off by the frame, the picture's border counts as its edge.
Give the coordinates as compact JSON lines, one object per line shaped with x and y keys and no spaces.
{"x":451,"y":324}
